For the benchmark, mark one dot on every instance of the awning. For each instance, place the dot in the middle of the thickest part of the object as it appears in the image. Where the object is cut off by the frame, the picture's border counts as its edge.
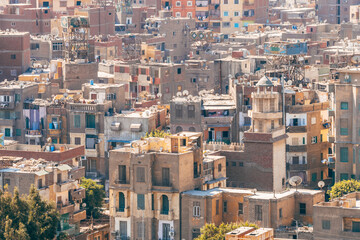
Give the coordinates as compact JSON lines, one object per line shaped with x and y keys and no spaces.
{"x":135,"y":127}
{"x":115,"y":126}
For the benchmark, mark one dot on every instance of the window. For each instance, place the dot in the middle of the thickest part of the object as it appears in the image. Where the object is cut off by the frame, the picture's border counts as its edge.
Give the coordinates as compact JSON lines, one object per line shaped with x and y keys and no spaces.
{"x":196,"y":209}
{"x":78,"y":3}
{"x":302,"y":207}
{"x":258,"y":212}
{"x":355,"y":226}
{"x":40,"y":183}
{"x":90,"y":121}
{"x":13,"y":56}
{"x":18,"y":132}
{"x":219,"y":167}
{"x":57,"y":46}
{"x":344,"y":127}
{"x":143,"y":71}
{"x":313,"y":120}
{"x":140,"y":229}
{"x":63,"y":3}
{"x":152,"y":202}
{"x":344,"y":176}
{"x":240,"y":208}
{"x":314,"y":140}
{"x":166,"y":176}
{"x":189,"y":3}
{"x":295,"y":160}
{"x":140,"y":174}
{"x":280,"y":213}
{"x":77,"y":141}
{"x":236,"y":25}
{"x":34,"y":46}
{"x":325,"y":224}
{"x":236,"y":1}
{"x":314,"y":177}
{"x":178,"y":3}
{"x":77,"y":121}
{"x":13,"y":24}
{"x":344,"y":105}
{"x":13,"y":73}
{"x":189,"y":14}
{"x":164,"y":205}
{"x":59,"y":178}
{"x":226,"y":1}
{"x":241,"y":164}
{"x":344,"y":154}
{"x":179,"y":71}
{"x":225,"y":134}
{"x":217,"y":206}
{"x":226,"y":24}
{"x":141,"y":202}
{"x":122,"y":173}
{"x":226,"y":13}
{"x":191,"y":111}
{"x":7,"y":181}
{"x":233,"y":164}
{"x":121,"y":202}
{"x":7,"y":132}
{"x":178,"y":111}
{"x":225,"y":206}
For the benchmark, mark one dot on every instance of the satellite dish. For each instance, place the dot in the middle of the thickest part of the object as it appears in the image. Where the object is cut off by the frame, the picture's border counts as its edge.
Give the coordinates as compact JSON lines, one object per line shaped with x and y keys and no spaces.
{"x":295,"y":181}
{"x":55,"y":32}
{"x":321,"y":184}
{"x":179,"y":94}
{"x":185,"y":92}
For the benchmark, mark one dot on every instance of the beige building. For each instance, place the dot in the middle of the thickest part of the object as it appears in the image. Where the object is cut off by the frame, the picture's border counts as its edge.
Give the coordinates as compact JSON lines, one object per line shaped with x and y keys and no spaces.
{"x":231,"y":12}
{"x":338,"y":219}
{"x":148,"y":179}
{"x":243,"y":233}
{"x":266,"y":209}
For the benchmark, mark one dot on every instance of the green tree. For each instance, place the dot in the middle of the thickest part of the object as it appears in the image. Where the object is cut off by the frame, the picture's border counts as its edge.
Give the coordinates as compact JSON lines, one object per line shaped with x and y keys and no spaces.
{"x":212,"y":232}
{"x":43,"y":217}
{"x":156,"y":133}
{"x":27,"y":218}
{"x":344,"y":187}
{"x":94,"y":197}
{"x":63,"y":236}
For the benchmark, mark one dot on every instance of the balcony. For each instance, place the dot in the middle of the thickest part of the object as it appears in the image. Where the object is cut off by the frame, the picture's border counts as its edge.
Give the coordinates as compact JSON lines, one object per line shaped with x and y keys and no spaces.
{"x":77,"y":194}
{"x":92,"y":131}
{"x":92,"y":174}
{"x":300,"y":148}
{"x":7,"y":105}
{"x":54,"y":132}
{"x":33,"y":133}
{"x":218,"y":120}
{"x":296,"y":129}
{"x":64,"y":209}
{"x":331,"y":139}
{"x":92,"y":152}
{"x":78,"y":216}
{"x":90,"y":107}
{"x":122,"y":212}
{"x":65,"y":186}
{"x":298,"y":167}
{"x":163,"y":187}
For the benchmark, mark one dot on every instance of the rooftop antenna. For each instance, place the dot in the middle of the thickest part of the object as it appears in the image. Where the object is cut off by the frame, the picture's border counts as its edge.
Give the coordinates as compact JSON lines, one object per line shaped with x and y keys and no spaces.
{"x":295,"y":181}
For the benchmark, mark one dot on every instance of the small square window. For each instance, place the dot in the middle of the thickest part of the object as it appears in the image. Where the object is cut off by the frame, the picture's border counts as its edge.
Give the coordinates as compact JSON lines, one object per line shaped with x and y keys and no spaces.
{"x":344,"y":105}
{"x":13,"y":56}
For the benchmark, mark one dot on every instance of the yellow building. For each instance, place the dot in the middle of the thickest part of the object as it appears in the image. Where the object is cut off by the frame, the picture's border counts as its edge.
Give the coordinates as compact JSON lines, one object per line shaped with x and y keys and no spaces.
{"x":231,"y":16}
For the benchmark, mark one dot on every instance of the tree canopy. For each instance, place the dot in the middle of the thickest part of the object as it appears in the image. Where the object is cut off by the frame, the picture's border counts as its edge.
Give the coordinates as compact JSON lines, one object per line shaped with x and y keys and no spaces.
{"x":94,"y":198}
{"x":212,"y":232}
{"x":25,"y":218}
{"x":156,"y":133}
{"x":344,"y":187}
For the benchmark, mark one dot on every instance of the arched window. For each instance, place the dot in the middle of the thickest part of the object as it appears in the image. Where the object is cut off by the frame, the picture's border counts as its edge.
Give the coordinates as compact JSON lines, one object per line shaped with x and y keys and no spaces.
{"x":27,"y":123}
{"x":179,"y":129}
{"x":164,"y":205}
{"x":192,"y":129}
{"x":121,"y":202}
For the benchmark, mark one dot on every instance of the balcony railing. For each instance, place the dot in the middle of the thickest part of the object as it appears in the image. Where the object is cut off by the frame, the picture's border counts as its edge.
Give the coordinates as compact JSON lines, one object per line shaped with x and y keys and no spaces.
{"x":33,"y":133}
{"x":300,"y":148}
{"x":296,"y":129}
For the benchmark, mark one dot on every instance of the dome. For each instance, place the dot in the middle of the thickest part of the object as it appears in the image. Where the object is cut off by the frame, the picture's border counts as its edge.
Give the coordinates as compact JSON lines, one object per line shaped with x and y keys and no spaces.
{"x":264,"y":82}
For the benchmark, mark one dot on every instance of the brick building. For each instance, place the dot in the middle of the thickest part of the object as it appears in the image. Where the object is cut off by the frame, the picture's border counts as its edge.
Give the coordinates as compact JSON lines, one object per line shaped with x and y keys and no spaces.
{"x":14,"y":54}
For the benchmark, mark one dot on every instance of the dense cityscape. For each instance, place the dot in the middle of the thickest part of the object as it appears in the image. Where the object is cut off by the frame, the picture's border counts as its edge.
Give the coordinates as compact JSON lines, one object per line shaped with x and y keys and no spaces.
{"x":179,"y":119}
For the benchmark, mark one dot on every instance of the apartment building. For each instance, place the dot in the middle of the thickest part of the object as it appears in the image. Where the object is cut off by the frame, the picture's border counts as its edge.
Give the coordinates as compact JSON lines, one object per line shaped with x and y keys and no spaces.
{"x":14,"y":54}
{"x":56,"y":182}
{"x":308,"y":127}
{"x":145,"y":199}
{"x":231,"y":13}
{"x":208,"y":15}
{"x":16,"y":97}
{"x":176,"y":32}
{"x":121,"y":129}
{"x":26,"y":18}
{"x":334,"y":11}
{"x":266,"y":209}
{"x":214,"y":115}
{"x":184,"y":8}
{"x":338,"y":218}
{"x":346,"y":131}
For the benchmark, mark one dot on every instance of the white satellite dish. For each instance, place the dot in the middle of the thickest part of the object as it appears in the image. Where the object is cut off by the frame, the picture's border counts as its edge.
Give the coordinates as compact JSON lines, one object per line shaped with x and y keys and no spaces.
{"x":185,"y":92}
{"x":321,"y":184}
{"x":179,"y":94}
{"x":295,"y":181}
{"x":55,"y":32}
